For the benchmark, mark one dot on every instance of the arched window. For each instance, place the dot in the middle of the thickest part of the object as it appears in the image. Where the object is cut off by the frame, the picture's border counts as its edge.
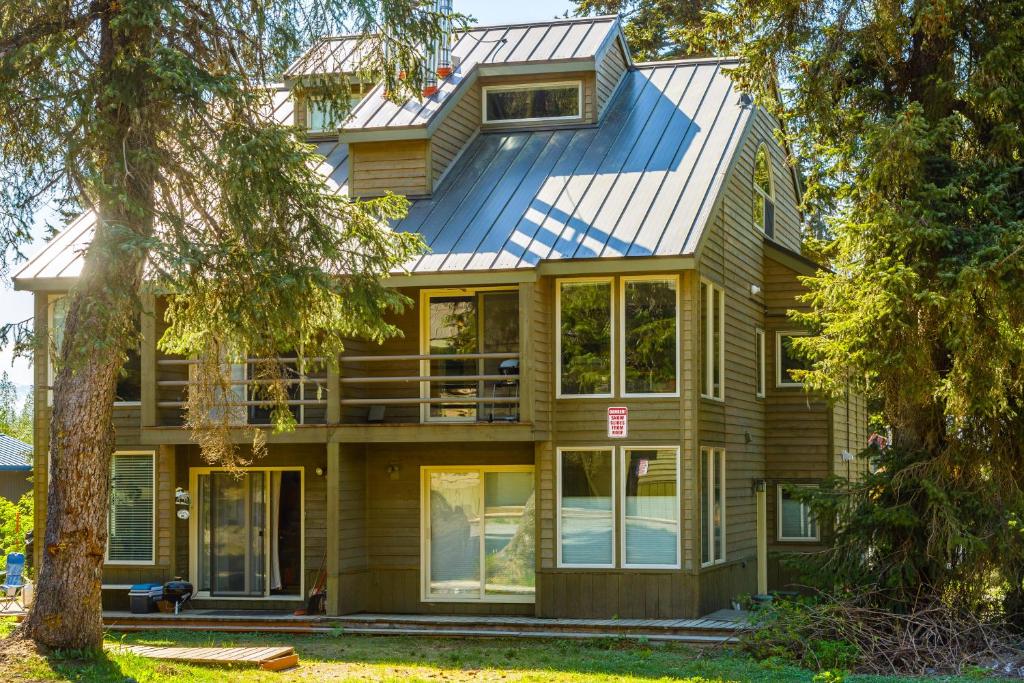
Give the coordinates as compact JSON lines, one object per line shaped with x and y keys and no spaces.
{"x":764,"y":192}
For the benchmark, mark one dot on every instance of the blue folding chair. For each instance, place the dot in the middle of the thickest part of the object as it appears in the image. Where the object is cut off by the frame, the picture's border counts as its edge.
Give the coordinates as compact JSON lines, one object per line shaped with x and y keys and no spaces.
{"x":14,"y":581}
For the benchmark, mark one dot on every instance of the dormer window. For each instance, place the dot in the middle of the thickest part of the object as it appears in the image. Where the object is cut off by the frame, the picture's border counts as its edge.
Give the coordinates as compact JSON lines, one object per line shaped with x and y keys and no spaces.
{"x":533,"y":102}
{"x":324,"y":115}
{"x":764,"y":192}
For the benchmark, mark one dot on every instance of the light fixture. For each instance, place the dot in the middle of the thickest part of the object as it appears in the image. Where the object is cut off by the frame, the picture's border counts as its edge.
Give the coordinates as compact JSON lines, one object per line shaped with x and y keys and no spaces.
{"x":393,"y":470}
{"x":319,"y":471}
{"x":755,"y":290}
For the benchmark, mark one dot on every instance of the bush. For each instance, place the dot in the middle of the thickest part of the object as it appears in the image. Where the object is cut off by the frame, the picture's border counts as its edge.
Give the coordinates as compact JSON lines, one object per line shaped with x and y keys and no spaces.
{"x":15,"y":523}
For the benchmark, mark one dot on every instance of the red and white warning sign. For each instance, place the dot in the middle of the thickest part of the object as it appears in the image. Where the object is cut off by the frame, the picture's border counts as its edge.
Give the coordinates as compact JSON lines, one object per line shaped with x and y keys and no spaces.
{"x":618,"y":422}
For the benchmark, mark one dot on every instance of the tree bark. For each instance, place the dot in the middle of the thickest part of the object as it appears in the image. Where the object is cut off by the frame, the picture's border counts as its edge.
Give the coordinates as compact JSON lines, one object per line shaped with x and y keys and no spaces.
{"x":100,"y":325}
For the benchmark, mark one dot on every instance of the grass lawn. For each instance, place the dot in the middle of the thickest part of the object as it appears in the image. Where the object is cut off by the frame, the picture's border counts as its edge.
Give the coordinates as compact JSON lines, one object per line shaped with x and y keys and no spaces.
{"x":340,"y":657}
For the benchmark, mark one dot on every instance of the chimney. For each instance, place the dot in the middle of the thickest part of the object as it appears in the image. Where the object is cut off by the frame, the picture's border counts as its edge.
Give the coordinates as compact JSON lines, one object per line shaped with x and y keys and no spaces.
{"x":437,"y":63}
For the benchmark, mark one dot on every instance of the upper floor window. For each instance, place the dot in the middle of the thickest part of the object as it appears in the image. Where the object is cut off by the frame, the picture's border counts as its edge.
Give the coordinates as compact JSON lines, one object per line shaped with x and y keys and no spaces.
{"x":786,"y":360}
{"x":712,"y":333}
{"x":325,"y":115}
{"x":759,"y":363}
{"x":533,"y":102}
{"x":585,"y":337}
{"x":649,"y":339}
{"x":764,"y":192}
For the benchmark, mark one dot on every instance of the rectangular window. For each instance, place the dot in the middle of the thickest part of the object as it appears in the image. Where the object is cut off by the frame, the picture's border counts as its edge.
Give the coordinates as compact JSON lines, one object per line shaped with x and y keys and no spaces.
{"x":533,"y":102}
{"x":462,"y":325}
{"x":796,"y":522}
{"x":650,"y":349}
{"x":131,"y":520}
{"x":650,"y":496}
{"x":324,"y":115}
{"x":586,"y":508}
{"x":712,"y":502}
{"x":584,"y":338}
{"x":759,"y":363}
{"x":479,"y":530}
{"x":712,"y":327}
{"x":786,"y":361}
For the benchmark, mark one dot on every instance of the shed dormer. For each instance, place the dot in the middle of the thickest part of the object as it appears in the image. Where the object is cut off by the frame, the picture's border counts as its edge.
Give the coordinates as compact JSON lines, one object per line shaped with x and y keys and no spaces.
{"x":559,"y":74}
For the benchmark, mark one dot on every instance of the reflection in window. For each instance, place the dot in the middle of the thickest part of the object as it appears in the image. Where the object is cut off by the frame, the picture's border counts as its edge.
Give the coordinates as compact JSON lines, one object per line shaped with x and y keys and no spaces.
{"x":482,"y":538}
{"x":651,"y":524}
{"x":484,"y":322}
{"x":585,"y":335}
{"x":650,"y":336}
{"x":712,"y":505}
{"x":788,"y":360}
{"x":796,"y":521}
{"x":763,"y":196}
{"x":586,"y":518}
{"x":528,"y":102}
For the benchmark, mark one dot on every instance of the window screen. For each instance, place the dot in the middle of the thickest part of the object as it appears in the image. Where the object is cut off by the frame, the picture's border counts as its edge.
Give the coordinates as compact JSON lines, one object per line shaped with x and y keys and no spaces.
{"x":532,"y":102}
{"x":131,"y":509}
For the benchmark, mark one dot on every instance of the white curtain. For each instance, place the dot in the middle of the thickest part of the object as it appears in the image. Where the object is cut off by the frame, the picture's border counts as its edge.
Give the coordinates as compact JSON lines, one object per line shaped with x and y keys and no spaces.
{"x":275,"y":530}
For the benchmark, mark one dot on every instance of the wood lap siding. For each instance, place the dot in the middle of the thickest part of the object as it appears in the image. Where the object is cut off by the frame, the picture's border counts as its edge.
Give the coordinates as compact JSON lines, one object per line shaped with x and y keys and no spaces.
{"x":458,"y":128}
{"x":399,"y":167}
{"x":609,"y":73}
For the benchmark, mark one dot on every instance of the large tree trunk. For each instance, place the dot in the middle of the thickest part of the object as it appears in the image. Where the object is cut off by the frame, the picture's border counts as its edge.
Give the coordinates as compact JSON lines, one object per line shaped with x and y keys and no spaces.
{"x":99,"y":326}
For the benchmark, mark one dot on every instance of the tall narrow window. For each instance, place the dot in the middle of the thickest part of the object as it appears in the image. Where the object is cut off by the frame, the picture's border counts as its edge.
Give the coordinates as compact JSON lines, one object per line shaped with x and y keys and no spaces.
{"x":796,"y":521}
{"x":650,"y":349}
{"x":786,"y":360}
{"x":759,"y":363}
{"x":712,"y":326}
{"x":650,"y":499}
{"x":586,"y":512}
{"x":130,"y":522}
{"x":712,"y":501}
{"x":460,"y":327}
{"x":585,"y":338}
{"x":479,"y":525}
{"x":764,"y":193}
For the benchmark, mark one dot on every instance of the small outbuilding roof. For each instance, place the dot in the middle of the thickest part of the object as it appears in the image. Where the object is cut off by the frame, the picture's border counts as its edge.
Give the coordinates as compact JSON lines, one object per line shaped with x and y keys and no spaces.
{"x":15,"y":455}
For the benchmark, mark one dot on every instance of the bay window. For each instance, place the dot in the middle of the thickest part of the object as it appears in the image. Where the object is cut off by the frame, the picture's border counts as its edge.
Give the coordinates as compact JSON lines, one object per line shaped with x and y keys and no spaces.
{"x":478,"y":533}
{"x":650,"y":351}
{"x":584,"y":353}
{"x":712,"y":506}
{"x":586,"y":509}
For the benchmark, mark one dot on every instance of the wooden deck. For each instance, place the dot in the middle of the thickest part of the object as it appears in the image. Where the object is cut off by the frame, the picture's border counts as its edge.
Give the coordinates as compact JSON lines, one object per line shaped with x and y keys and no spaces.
{"x":267,"y":658}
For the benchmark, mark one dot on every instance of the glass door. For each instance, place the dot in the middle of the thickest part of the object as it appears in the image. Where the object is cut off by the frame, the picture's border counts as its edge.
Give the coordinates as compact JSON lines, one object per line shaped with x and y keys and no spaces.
{"x":232,"y":533}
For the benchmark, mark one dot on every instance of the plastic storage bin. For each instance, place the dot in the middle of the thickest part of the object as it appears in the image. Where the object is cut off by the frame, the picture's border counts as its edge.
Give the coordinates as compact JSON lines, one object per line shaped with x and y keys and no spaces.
{"x":143,"y":597}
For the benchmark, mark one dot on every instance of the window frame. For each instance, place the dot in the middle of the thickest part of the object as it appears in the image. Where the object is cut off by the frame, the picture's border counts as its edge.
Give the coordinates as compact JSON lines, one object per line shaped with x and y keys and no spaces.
{"x":107,"y":562}
{"x":780,"y":383}
{"x":623,"y":281}
{"x":778,"y":515}
{"x":760,"y":377}
{"x":717,"y":460}
{"x":539,"y":85}
{"x":559,"y":563}
{"x":610,"y":280}
{"x":767,"y":196}
{"x":424,"y":346}
{"x":707,"y":345}
{"x":425,"y":471}
{"x":621,"y":518}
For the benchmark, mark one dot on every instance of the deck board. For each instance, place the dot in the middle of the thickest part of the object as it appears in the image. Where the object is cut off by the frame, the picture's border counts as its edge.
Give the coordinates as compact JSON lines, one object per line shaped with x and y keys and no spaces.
{"x":260,"y":657}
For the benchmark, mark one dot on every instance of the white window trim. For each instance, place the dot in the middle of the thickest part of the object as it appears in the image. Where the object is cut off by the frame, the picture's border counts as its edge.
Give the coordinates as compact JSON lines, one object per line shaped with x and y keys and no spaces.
{"x":610,"y":450}
{"x":107,"y":562}
{"x":51,"y":374}
{"x":532,"y":86}
{"x":558,"y":336}
{"x":759,"y":363}
{"x":778,"y":514}
{"x":707,"y":344}
{"x":780,"y":381}
{"x":768,"y":196}
{"x":716,"y":460}
{"x":425,"y":596}
{"x":622,"y":508}
{"x":193,"y":532}
{"x":425,"y":296}
{"x":674,"y":279}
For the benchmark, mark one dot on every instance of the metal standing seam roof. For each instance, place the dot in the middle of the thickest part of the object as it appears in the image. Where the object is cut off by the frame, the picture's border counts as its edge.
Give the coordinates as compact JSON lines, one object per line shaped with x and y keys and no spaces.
{"x":642,"y":183}
{"x":15,"y":455}
{"x":555,"y":41}
{"x":334,"y":55}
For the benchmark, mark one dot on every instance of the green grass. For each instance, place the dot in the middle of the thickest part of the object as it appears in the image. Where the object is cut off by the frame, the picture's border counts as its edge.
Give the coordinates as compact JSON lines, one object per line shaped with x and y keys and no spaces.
{"x":340,"y":657}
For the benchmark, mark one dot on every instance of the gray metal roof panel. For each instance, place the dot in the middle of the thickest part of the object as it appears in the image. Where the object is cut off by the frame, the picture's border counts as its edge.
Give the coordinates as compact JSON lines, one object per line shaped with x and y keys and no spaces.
{"x":15,"y":455}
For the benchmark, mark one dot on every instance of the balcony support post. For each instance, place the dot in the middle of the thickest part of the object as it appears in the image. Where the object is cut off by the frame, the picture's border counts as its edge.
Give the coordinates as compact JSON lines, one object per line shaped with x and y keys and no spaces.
{"x":526,"y":359}
{"x":147,"y":359}
{"x":334,"y":393}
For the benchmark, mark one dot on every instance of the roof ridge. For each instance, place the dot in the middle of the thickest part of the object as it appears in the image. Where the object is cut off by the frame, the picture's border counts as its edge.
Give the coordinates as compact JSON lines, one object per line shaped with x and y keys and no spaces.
{"x":548,"y":22}
{"x":687,"y":60}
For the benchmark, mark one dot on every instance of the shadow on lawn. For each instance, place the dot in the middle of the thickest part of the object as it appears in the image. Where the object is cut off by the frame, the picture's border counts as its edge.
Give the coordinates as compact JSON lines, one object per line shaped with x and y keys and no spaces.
{"x":89,"y":665}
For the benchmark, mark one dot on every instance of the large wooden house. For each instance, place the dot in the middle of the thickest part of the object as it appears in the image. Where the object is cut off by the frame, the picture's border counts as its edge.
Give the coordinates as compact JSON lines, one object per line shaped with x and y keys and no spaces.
{"x":590,"y":412}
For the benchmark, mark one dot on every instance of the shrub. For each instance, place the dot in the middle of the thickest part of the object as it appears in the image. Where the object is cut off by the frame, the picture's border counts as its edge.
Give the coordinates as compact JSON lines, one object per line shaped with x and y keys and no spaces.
{"x":15,"y":523}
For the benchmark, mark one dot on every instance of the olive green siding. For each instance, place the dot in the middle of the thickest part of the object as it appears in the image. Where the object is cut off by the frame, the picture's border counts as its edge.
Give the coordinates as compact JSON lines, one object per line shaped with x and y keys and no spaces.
{"x":610,"y":69}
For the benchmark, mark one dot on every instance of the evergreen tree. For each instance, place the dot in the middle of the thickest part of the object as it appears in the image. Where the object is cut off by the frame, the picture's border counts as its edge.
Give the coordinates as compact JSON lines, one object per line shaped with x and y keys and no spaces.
{"x":655,"y":29}
{"x":154,"y":114}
